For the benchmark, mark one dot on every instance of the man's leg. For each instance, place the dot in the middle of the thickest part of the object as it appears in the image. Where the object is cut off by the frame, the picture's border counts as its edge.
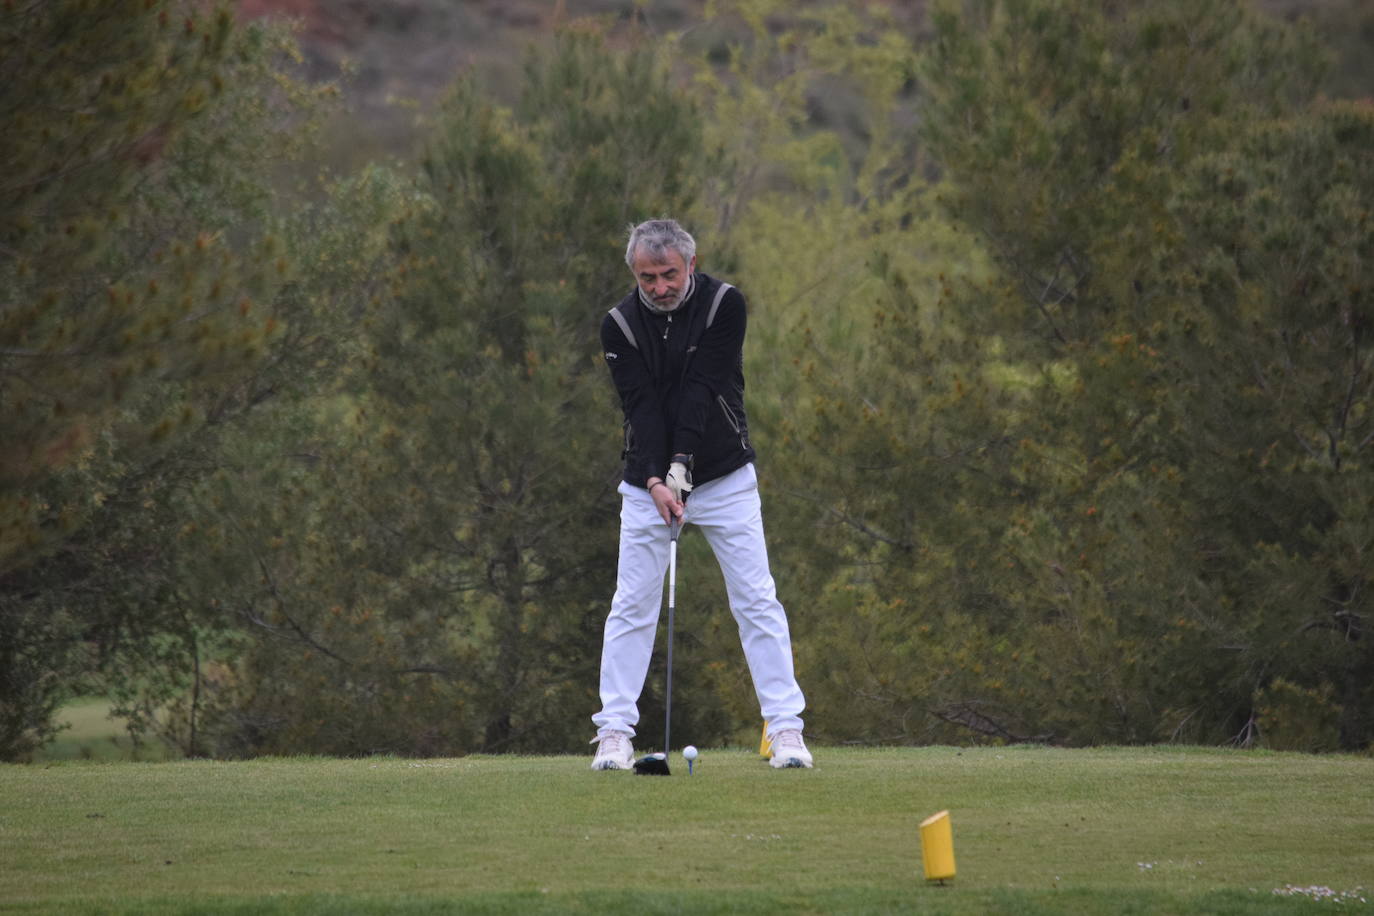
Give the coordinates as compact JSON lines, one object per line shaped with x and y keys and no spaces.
{"x":728,"y":512}
{"x":628,"y":640}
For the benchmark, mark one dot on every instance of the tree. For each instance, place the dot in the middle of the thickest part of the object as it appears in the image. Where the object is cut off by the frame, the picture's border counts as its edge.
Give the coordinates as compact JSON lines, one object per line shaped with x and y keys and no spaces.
{"x":1108,"y":527}
{"x":1276,"y":292}
{"x":135,"y":264}
{"x":246,"y":523}
{"x":817,"y":190}
{"x":1037,"y":473}
{"x":447,"y":594}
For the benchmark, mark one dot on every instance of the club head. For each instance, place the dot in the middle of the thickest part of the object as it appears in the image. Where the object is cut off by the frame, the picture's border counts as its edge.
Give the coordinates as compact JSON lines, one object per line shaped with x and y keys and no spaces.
{"x":653,"y":765}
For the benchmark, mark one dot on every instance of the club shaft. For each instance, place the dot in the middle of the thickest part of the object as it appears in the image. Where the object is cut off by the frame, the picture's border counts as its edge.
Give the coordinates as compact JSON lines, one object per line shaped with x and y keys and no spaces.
{"x":672,"y":602}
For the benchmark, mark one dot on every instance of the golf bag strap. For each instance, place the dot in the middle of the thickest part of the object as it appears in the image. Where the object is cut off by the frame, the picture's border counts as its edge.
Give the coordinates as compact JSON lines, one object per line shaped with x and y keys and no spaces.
{"x":624,"y":327}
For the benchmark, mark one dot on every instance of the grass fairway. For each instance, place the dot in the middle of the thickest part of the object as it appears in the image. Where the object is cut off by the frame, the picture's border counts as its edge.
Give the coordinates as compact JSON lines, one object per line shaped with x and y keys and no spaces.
{"x":1036,"y":830}
{"x":90,"y":733}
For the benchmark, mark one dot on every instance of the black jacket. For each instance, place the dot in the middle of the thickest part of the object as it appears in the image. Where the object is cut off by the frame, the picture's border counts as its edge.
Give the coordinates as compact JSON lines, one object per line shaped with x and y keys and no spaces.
{"x":681,"y":382}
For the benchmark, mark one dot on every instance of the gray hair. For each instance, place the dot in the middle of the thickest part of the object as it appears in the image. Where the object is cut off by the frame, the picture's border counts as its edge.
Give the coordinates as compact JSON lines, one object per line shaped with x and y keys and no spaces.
{"x":656,"y":237}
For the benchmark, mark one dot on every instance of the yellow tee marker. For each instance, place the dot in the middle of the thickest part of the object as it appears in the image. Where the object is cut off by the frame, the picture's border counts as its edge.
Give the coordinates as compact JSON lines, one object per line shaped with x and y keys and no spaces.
{"x":765,"y":746}
{"x":937,"y":847}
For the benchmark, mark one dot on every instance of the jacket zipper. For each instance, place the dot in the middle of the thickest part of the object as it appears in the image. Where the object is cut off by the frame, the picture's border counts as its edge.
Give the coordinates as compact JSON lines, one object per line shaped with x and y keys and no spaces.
{"x":734,"y":422}
{"x":729,"y":414}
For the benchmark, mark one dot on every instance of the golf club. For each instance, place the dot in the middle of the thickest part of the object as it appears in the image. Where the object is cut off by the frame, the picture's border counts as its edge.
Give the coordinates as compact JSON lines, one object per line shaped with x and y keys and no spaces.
{"x":657,"y":764}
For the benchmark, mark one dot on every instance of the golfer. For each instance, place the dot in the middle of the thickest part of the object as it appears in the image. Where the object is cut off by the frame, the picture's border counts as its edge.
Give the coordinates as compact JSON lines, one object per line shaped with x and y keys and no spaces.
{"x":675,"y":347}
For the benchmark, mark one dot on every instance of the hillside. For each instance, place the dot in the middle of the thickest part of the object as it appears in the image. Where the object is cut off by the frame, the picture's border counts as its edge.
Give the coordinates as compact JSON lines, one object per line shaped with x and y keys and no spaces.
{"x":401,"y":54}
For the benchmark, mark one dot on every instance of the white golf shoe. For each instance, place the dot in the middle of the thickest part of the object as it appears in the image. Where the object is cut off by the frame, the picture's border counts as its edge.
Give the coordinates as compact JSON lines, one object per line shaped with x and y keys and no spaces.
{"x":615,"y":751}
{"x":789,"y":750}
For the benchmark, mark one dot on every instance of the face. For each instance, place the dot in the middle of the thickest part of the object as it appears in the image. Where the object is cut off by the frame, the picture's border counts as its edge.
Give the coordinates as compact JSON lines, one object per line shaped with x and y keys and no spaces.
{"x":665,"y":283}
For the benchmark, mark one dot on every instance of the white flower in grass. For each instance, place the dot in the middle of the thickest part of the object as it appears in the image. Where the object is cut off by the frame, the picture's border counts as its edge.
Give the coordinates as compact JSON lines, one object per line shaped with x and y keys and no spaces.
{"x":1322,"y":892}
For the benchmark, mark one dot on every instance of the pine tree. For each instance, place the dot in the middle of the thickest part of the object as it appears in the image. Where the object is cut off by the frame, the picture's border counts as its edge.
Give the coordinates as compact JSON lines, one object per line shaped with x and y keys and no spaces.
{"x":1069,"y":132}
{"x":1029,"y":484}
{"x":448,"y":594}
{"x":135,"y":270}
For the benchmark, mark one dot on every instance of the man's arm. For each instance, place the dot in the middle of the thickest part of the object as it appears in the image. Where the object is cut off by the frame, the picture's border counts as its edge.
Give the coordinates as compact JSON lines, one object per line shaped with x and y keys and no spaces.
{"x":711,"y":371}
{"x":635,"y":386}
{"x":637,"y":398}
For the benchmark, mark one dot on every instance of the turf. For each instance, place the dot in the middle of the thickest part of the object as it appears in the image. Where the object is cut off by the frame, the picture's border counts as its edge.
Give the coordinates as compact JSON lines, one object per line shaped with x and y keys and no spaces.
{"x":1036,"y":830}
{"x":90,"y":732}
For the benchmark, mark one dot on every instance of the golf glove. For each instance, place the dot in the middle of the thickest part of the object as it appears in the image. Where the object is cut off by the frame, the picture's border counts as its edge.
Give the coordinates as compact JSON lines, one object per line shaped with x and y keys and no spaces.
{"x":679,"y":478}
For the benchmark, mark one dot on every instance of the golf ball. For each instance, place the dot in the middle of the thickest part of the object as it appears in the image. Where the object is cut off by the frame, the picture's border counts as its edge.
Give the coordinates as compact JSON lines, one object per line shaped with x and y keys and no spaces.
{"x":689,"y":752}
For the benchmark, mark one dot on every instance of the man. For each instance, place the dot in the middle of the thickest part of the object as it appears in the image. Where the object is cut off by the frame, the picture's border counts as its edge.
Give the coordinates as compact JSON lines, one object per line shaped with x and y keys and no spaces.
{"x":675,"y":347}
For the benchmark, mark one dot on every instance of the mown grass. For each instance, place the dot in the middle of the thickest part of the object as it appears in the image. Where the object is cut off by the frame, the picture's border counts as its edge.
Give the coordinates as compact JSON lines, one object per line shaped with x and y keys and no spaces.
{"x":90,"y":733}
{"x":1036,"y":830}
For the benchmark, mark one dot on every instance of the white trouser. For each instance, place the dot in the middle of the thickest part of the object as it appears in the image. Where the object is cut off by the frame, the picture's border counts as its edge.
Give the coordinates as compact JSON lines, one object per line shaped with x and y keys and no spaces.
{"x":727,"y":511}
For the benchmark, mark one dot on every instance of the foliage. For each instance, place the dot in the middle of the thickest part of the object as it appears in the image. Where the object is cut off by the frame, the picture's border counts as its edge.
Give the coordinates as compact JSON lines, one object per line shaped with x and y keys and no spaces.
{"x":134,"y":264}
{"x":248,"y":527}
{"x":1347,"y":28}
{"x":1032,"y":500}
{"x":1081,"y":434}
{"x":797,"y":215}
{"x":1276,"y":229}
{"x":1059,"y":370}
{"x":446,"y":592}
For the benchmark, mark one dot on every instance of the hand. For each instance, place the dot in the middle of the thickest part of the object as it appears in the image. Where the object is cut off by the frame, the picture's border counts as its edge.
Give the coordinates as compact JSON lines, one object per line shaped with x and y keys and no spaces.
{"x":679,"y":478}
{"x":668,"y":506}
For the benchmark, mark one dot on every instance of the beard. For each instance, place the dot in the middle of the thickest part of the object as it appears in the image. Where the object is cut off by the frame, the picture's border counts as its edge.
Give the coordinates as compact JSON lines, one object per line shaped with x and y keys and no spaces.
{"x":668,"y":303}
